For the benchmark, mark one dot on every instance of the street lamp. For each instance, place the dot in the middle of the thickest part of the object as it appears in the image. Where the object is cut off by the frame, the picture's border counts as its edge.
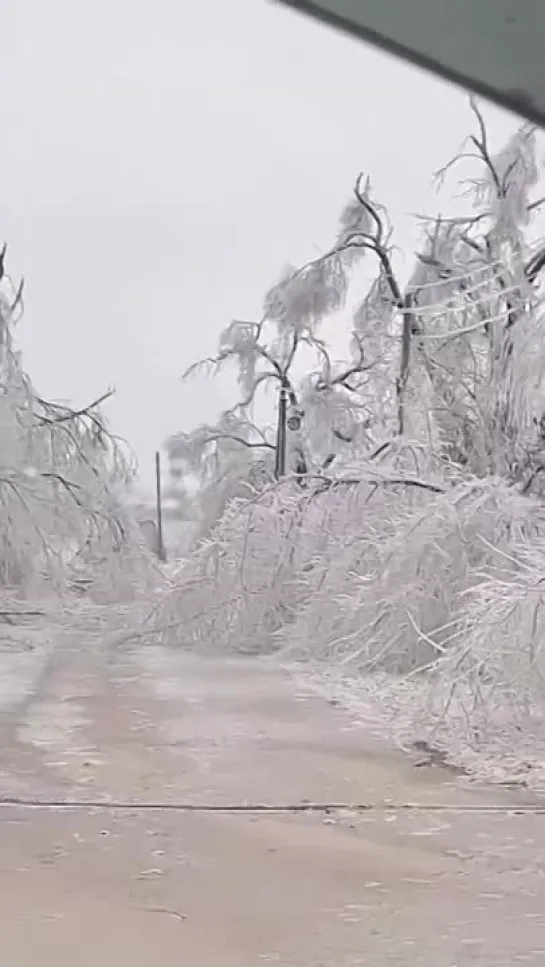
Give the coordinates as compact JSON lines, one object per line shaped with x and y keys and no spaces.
{"x":280,"y":456}
{"x":295,"y":420}
{"x":288,"y":419}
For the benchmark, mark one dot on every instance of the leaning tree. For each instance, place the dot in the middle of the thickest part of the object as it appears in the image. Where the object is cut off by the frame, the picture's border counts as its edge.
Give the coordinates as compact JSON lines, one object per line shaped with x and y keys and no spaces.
{"x":453,"y":359}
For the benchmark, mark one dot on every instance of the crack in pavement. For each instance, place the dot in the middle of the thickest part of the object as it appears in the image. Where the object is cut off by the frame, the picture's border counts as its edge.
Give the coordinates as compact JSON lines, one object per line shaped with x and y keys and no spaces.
{"x":303,"y":807}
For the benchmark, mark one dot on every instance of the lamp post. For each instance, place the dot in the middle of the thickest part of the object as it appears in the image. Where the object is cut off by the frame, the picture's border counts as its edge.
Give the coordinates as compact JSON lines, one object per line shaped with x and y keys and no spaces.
{"x":289,"y":418}
{"x":280,"y":455}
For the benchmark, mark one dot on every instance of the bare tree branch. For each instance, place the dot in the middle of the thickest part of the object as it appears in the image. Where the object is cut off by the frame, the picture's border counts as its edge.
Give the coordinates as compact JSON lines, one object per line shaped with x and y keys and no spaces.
{"x":370,"y":209}
{"x":18,"y":300}
{"x":482,"y":146}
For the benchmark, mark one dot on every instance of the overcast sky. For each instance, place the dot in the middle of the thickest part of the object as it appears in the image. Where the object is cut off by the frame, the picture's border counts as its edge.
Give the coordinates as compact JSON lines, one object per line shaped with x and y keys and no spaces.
{"x":161,"y":162}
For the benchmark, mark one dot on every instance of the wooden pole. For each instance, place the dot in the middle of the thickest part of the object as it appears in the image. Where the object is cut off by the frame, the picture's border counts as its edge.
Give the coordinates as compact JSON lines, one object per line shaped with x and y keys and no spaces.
{"x":161,"y":553}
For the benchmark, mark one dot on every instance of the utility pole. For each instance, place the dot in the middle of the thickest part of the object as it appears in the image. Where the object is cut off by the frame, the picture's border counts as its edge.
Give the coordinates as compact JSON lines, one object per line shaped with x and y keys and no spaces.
{"x":280,"y":457}
{"x":159,"y":509}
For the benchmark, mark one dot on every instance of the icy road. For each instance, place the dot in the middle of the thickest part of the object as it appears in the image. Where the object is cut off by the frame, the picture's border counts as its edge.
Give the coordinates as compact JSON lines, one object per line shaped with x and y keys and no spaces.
{"x":119,"y":884}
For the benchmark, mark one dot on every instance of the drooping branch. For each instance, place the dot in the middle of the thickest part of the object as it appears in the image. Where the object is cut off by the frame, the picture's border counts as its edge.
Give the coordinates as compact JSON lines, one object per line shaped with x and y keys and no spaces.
{"x":383,"y":481}
{"x":65,"y":414}
{"x":249,"y":444}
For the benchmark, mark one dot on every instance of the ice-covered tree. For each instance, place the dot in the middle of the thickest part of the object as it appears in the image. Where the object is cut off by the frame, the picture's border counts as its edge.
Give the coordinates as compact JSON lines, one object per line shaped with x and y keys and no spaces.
{"x":62,"y":475}
{"x":476,"y":377}
{"x":322,"y":409}
{"x":442,"y":360}
{"x":416,"y":543}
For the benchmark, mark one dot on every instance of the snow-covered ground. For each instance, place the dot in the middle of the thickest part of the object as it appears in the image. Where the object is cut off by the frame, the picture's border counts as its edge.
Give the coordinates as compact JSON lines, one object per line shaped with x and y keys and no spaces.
{"x":458,"y":880}
{"x":419,"y":718}
{"x":407,"y":713}
{"x":26,"y":645}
